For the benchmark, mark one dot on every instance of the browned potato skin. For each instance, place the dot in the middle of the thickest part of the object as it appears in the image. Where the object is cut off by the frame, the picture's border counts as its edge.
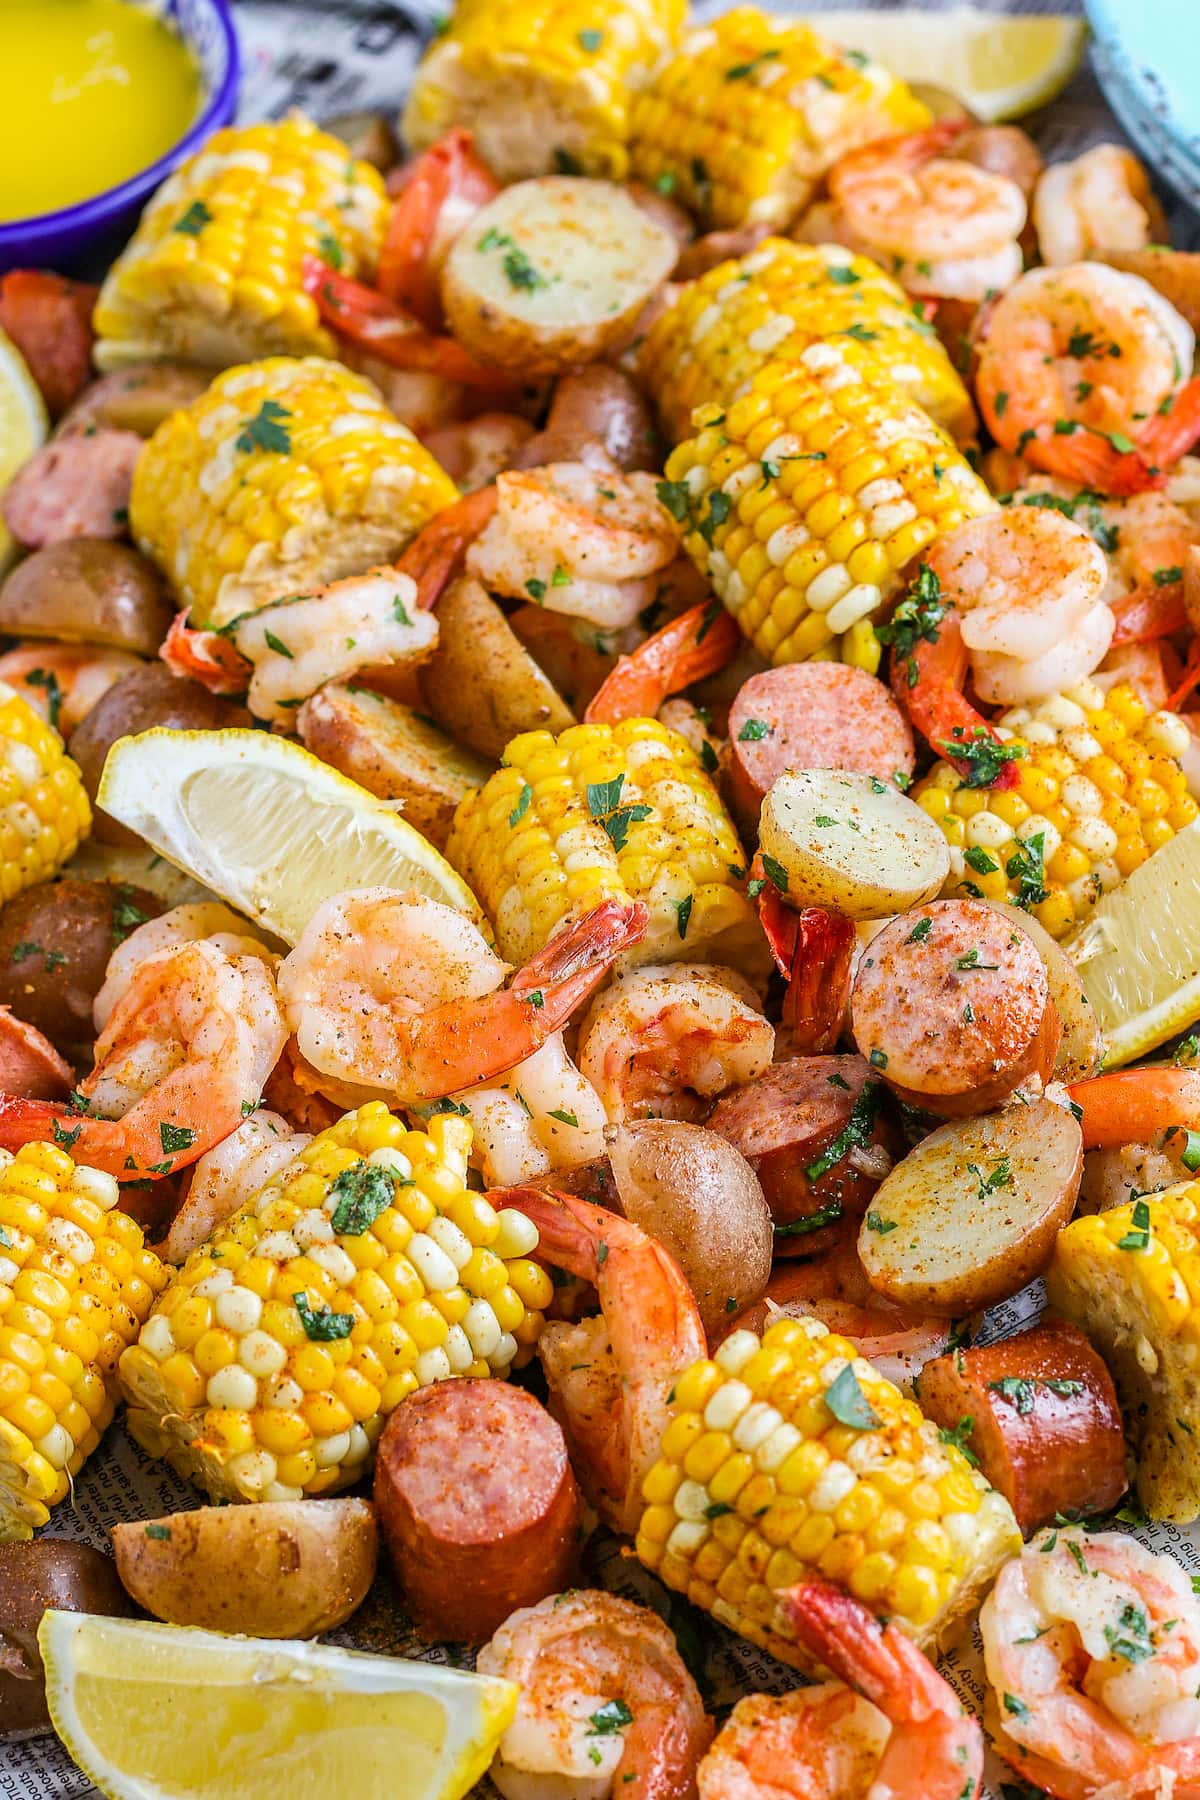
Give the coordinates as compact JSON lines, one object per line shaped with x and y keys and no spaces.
{"x":366,"y":135}
{"x":137,"y":398}
{"x":80,"y":922}
{"x":566,"y":650}
{"x":596,"y":405}
{"x":49,"y":1572}
{"x":393,"y":752}
{"x":1175,"y":273}
{"x":1082,"y":1048}
{"x":302,"y":1566}
{"x":481,"y":684}
{"x":87,"y":591}
{"x":148,"y":697}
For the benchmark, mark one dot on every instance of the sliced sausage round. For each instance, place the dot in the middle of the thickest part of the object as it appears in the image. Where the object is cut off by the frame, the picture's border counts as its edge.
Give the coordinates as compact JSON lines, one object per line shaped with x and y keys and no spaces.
{"x":952,"y":1005}
{"x":75,"y":486}
{"x":478,"y":1506}
{"x":813,"y":1131}
{"x":816,"y":715}
{"x":1044,"y":1420}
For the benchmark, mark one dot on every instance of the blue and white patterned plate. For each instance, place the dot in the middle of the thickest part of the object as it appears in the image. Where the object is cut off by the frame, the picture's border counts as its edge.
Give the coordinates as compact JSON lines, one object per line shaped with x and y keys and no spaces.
{"x":1146,"y":55}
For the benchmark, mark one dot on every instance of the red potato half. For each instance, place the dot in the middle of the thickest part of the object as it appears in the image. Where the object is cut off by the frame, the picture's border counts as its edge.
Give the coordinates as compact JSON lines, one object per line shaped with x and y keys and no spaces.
{"x":972,"y":1213}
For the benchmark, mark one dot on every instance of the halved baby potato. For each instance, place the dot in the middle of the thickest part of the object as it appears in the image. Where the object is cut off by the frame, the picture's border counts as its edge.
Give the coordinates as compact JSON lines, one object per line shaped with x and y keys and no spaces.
{"x":852,"y":843}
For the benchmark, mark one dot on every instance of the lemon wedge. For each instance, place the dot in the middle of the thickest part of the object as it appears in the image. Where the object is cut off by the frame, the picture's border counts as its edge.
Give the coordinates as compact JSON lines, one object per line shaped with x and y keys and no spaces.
{"x":1000,"y":66}
{"x":266,"y":825}
{"x":23,"y":426}
{"x":1138,"y":956}
{"x":152,"y":1712}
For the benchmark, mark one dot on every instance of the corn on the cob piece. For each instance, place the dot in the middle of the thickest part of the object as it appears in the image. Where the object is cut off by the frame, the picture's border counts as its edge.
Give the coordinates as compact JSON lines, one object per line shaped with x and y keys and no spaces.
{"x":545,"y":85}
{"x":775,"y":302}
{"x":1099,"y":788}
{"x":608,"y":810}
{"x":75,"y":1284}
{"x":44,"y":810}
{"x":749,"y":114}
{"x":805,"y":498}
{"x":212,"y":273}
{"x":363,"y":1271}
{"x":1131,"y":1279}
{"x":283,"y":475}
{"x":789,"y":1453}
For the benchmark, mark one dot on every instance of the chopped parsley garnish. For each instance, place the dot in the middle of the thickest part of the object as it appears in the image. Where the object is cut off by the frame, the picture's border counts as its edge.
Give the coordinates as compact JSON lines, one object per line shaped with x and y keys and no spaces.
{"x":604,"y":805}
{"x":675,"y":497}
{"x":754,"y":730}
{"x":977,"y":858}
{"x":878,"y":1059}
{"x":969,"y":960}
{"x":51,"y":959}
{"x":590,"y":41}
{"x":1165,"y":577}
{"x":719,"y":508}
{"x":920,"y":931}
{"x":1027,"y":867}
{"x":743,"y":71}
{"x":826,"y":1215}
{"x":564,"y":1117}
{"x":126,"y":916}
{"x":522,"y":807}
{"x":192,"y":222}
{"x":64,"y":1139}
{"x":848,"y":1404}
{"x":983,"y":754}
{"x":362,"y":1192}
{"x":957,"y":1435}
{"x":614,"y":1715}
{"x":1016,"y":1390}
{"x":277,"y":645}
{"x":1138,"y":1237}
{"x":916,"y":619}
{"x":775,"y":873}
{"x":875,"y":1222}
{"x":175,"y":1137}
{"x":1130,"y":1636}
{"x":855,"y":1134}
{"x":322,"y":1324}
{"x":267,"y":430}
{"x":1017,"y":1707}
{"x":49,"y":680}
{"x":158,"y":1531}
{"x":683,"y":912}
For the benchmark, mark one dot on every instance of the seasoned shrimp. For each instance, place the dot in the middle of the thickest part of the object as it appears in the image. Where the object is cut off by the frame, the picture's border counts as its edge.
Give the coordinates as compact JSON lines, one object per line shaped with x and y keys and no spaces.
{"x":610,"y":1376}
{"x":1092,"y":1651}
{"x":1101,"y":200}
{"x":606,"y":1707}
{"x":664,"y":1040}
{"x":543,"y":1115}
{"x":184,"y":1055}
{"x":1084,"y":370}
{"x":399,"y":992}
{"x":889,"y":1728}
{"x":699,"y":643}
{"x":62,"y":682}
{"x":947,"y":228}
{"x":578,"y":537}
{"x":155,"y":937}
{"x":473,"y":453}
{"x":227,"y":1176}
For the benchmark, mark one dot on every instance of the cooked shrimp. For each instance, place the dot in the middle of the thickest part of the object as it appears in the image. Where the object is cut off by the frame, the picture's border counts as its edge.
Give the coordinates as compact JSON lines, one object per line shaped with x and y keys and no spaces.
{"x":62,"y":682}
{"x":578,"y":537}
{"x":665,"y":1039}
{"x":946,"y":227}
{"x":184,"y":1054}
{"x":699,"y":643}
{"x":1092,"y":1649}
{"x":610,"y":1376}
{"x":398,"y":992}
{"x":1084,"y":370}
{"x":889,"y":1728}
{"x":474,"y":452}
{"x":155,"y":937}
{"x":543,"y":1115}
{"x":1136,"y":1106}
{"x":1101,"y":200}
{"x":606,"y":1705}
{"x":227,"y":1176}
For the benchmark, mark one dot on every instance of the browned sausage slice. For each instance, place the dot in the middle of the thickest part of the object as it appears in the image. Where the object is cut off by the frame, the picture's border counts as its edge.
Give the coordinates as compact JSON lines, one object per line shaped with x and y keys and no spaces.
{"x":478,"y":1506}
{"x":75,"y":486}
{"x":817,"y":715}
{"x":814,"y":1134}
{"x":1044,"y":1420}
{"x":953,"y":1006}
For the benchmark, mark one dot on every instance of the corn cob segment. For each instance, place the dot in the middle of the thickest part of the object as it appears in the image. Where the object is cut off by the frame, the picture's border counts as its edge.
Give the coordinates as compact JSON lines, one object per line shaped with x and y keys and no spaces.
{"x":284,"y":475}
{"x":771,"y":305}
{"x":788,"y":1454}
{"x":742,"y":123}
{"x":805,"y":499}
{"x":1130,"y":1278}
{"x":1099,"y":788}
{"x":363,"y":1271}
{"x":44,"y":810}
{"x":212,"y":273}
{"x":76,"y":1282}
{"x":545,"y":85}
{"x":623,"y":810}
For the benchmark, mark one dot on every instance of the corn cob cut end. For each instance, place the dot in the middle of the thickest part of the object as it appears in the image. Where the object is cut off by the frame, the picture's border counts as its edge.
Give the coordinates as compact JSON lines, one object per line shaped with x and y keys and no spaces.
{"x":365,"y":1270}
{"x":212,"y":273}
{"x":1130,"y":1278}
{"x":1099,"y":788}
{"x":44,"y":809}
{"x":76,"y":1281}
{"x":761,"y":1482}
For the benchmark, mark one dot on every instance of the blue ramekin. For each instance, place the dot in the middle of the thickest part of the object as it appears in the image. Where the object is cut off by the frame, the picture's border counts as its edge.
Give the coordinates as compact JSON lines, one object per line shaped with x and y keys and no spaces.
{"x":77,"y":237}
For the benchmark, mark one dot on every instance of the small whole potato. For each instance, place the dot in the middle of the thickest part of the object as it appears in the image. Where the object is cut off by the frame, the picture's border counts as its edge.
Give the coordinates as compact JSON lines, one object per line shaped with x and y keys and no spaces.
{"x":147,"y":697}
{"x":87,"y":591}
{"x":55,"y":942}
{"x":49,"y":1572}
{"x":281,"y":1569}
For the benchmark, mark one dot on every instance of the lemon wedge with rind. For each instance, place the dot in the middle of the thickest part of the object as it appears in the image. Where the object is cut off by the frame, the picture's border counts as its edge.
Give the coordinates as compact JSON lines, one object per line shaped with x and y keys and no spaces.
{"x":266,"y":825}
{"x":23,"y":426}
{"x":1000,"y":66}
{"x":1138,"y":956}
{"x":152,"y":1712}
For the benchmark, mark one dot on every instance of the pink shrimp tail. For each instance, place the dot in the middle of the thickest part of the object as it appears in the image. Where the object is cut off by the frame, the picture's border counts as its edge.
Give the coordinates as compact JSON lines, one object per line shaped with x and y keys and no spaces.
{"x":436,"y":554}
{"x":578,"y":956}
{"x":904,"y":149}
{"x":204,"y":656}
{"x":1148,"y":612}
{"x":570,"y":1230}
{"x":25,"y":1121}
{"x":812,"y":949}
{"x":1135,"y":1106}
{"x":697,"y":644}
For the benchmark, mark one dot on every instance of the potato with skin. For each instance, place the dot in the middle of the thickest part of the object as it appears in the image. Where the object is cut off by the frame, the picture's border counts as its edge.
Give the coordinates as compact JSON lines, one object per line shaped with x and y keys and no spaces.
{"x":1082,"y":1048}
{"x":55,"y":942}
{"x":971,"y":1214}
{"x":49,"y":1572}
{"x":552,"y":273}
{"x":850,"y":842}
{"x":137,"y":398}
{"x":280,"y":1569}
{"x":147,"y":697}
{"x":481,"y":684}
{"x":88,"y":591}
